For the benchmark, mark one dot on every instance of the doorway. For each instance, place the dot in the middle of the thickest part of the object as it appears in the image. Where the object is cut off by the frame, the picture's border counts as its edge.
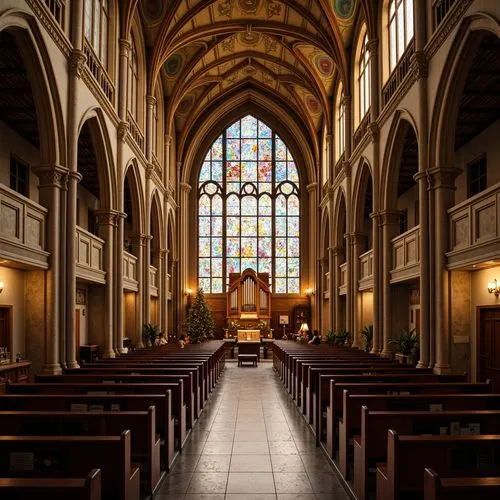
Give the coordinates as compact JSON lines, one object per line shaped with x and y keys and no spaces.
{"x":489,"y":345}
{"x":5,"y":336}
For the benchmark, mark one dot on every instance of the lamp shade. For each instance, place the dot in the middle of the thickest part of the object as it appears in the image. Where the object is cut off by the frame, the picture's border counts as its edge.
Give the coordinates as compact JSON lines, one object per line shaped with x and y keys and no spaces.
{"x":304,"y":327}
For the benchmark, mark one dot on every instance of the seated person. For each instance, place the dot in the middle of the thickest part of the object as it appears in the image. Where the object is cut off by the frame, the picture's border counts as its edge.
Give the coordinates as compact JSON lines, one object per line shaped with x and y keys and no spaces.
{"x":161,"y":340}
{"x":315,"y":338}
{"x":182,"y":340}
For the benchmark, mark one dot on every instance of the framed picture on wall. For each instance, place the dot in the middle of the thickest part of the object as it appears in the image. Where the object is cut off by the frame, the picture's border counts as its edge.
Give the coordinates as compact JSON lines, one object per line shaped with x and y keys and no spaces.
{"x":283,"y":319}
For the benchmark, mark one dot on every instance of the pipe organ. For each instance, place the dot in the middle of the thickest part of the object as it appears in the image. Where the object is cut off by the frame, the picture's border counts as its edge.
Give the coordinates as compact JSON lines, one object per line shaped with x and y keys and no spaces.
{"x":249,"y":296}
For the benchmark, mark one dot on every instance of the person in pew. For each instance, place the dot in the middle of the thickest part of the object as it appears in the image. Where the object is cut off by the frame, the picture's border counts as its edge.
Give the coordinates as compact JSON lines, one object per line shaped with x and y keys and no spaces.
{"x":161,"y":340}
{"x":315,"y":339}
{"x":182,"y":340}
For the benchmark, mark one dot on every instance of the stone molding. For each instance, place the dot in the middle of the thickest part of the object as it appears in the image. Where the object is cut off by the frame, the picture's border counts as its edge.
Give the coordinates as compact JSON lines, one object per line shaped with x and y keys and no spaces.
{"x":312,"y":187}
{"x":77,"y":63}
{"x":372,"y":46}
{"x":185,"y":187}
{"x":373,"y":131}
{"x":51,"y":176}
{"x":123,"y":128}
{"x":443,"y":177}
{"x":419,"y":65}
{"x":389,"y":218}
{"x":107,"y":217}
{"x":125,"y":47}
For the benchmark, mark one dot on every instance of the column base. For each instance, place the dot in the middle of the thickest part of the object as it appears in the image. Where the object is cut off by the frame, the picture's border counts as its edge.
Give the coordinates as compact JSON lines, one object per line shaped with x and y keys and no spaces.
{"x":122,"y":350}
{"x":442,"y":368}
{"x":72,"y":364}
{"x":109,"y":354}
{"x":51,"y":369}
{"x":386,"y":353}
{"x":422,"y":364}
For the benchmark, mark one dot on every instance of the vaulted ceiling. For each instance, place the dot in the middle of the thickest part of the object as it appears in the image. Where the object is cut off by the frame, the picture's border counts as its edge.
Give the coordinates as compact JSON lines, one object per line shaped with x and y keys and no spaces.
{"x":205,"y":50}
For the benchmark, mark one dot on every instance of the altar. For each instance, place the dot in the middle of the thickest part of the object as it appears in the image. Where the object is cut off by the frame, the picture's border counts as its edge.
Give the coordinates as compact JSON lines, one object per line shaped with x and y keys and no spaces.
{"x":249,"y":335}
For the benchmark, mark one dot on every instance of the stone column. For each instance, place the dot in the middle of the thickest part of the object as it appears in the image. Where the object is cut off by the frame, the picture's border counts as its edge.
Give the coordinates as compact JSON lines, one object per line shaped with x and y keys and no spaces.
{"x":119,"y":298}
{"x":106,"y":220}
{"x":150,"y":104}
{"x":163,"y":288}
{"x":176,"y":321}
{"x":184,"y":248}
{"x":52,"y":179}
{"x":377,"y":303}
{"x":443,"y":185}
{"x":314,"y":239}
{"x":331,"y":261}
{"x":338,"y":254}
{"x":389,"y":221}
{"x":71,"y":347}
{"x":125,"y":47}
{"x":356,"y":240}
{"x":138,"y":245}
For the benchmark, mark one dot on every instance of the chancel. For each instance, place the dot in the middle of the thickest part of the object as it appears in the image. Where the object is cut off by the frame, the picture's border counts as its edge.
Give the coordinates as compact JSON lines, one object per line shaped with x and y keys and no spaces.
{"x":190,"y":190}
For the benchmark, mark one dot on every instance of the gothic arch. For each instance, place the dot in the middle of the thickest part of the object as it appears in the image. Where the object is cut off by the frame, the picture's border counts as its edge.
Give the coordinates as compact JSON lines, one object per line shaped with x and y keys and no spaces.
{"x":339,"y":217}
{"x":156,"y":215}
{"x":137,"y":198}
{"x":325,"y":233}
{"x":363,"y":177}
{"x":49,"y":114}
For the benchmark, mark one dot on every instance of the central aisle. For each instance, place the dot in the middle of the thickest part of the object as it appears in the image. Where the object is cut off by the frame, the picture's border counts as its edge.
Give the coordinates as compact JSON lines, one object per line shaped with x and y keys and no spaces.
{"x":251,"y":443}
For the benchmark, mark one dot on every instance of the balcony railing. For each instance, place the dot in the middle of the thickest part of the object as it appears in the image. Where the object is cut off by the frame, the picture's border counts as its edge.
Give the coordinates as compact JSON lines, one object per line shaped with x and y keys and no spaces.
{"x":398,"y":74}
{"x":439,"y":9}
{"x":474,"y":228}
{"x":339,"y":165}
{"x":56,"y":8}
{"x":343,"y":279}
{"x":130,"y":281}
{"x":406,"y":255}
{"x":22,"y":229}
{"x":366,"y":270}
{"x":135,"y":132}
{"x":153,"y":281}
{"x":361,"y":130}
{"x":99,"y":72}
{"x":89,"y":256}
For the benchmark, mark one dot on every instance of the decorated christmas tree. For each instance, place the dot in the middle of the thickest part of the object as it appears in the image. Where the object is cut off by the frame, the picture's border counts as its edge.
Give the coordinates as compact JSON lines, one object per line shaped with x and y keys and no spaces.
{"x":199,"y":324}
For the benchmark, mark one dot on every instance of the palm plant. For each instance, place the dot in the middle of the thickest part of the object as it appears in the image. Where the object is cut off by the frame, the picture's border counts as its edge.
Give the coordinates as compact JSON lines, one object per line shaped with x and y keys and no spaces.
{"x":407,"y":342}
{"x":150,"y":333}
{"x":367,"y":335}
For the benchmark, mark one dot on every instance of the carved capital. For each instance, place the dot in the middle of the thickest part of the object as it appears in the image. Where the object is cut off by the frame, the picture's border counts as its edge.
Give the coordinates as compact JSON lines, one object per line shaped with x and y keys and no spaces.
{"x":150,"y":170}
{"x":77,"y":62}
{"x":185,"y":187}
{"x":372,"y":47}
{"x":139,"y":239}
{"x":346,"y":101}
{"x":51,"y":176}
{"x":106,"y":217}
{"x":123,"y":128}
{"x":443,"y":177}
{"x":373,"y":131}
{"x":168,"y":140}
{"x":419,"y":65}
{"x":312,"y":187}
{"x":389,"y":218}
{"x":75,"y":176}
{"x":356,"y":238}
{"x":125,"y":47}
{"x":150,"y":101}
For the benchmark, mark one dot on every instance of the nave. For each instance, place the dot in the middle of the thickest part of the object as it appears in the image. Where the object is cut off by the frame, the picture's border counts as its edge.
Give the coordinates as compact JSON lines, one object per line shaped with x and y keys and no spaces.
{"x":251,"y":443}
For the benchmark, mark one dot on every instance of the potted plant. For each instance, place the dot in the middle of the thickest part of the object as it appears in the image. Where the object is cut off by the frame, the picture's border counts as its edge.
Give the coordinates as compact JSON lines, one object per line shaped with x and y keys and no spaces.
{"x":367,"y":336}
{"x":343,"y":337}
{"x":331,"y":337}
{"x":150,"y":333}
{"x":406,"y":346}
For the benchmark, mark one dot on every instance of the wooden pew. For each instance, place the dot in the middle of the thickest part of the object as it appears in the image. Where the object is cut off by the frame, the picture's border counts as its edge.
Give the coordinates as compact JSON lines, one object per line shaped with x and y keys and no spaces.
{"x":142,"y":425}
{"x":20,"y":488}
{"x":383,"y":384}
{"x":460,"y":488}
{"x":350,"y":425}
{"x":73,"y":456}
{"x":371,"y":445}
{"x":449,"y":456}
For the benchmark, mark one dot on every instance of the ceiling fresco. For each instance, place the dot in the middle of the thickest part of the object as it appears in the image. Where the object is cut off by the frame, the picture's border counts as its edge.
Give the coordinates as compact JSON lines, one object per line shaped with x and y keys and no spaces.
{"x":205,"y":50}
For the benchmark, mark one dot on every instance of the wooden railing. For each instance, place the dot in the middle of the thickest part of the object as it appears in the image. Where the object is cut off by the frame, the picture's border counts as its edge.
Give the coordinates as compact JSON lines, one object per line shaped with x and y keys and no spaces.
{"x":153,"y":281}
{"x":361,"y":130}
{"x":99,"y":72}
{"x":56,"y":8}
{"x":475,"y":228}
{"x":398,"y":74}
{"x":22,"y":229}
{"x":366,"y":270}
{"x":89,"y":256}
{"x":439,"y":10}
{"x":406,"y":255}
{"x":130,"y":280}
{"x":135,"y":131}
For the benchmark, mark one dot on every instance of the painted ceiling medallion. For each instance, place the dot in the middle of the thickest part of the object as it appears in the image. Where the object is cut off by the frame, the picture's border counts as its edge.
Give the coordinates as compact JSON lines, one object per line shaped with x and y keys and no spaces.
{"x":249,"y":38}
{"x":226,"y":8}
{"x":249,"y":6}
{"x":228,"y":44}
{"x":324,"y":64}
{"x":174,"y":65}
{"x":270,"y":44}
{"x":185,"y":105}
{"x":153,"y":9}
{"x":312,"y":105}
{"x":272,"y":8}
{"x":344,"y":8}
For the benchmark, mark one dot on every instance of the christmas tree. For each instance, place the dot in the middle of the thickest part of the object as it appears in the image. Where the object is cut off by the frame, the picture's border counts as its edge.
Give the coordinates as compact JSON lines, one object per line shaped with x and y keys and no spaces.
{"x":200,"y":323}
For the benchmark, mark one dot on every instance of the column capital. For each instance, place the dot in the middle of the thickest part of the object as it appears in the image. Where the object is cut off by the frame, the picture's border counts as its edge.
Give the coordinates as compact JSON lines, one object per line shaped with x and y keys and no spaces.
{"x":185,"y":187}
{"x":419,"y":65}
{"x":372,"y":46}
{"x":125,"y":46}
{"x":312,"y":187}
{"x":163,"y":252}
{"x":373,"y":131}
{"x":168,"y":139}
{"x":106,"y":217}
{"x":443,"y":177}
{"x":356,"y":238}
{"x":140,"y":239}
{"x":73,"y":175}
{"x":178,"y":165}
{"x":51,"y":175}
{"x":77,"y":62}
{"x":123,"y":128}
{"x":121,"y":215}
{"x":346,"y":100}
{"x":151,"y":101}
{"x":334,"y":251}
{"x":388,"y":217}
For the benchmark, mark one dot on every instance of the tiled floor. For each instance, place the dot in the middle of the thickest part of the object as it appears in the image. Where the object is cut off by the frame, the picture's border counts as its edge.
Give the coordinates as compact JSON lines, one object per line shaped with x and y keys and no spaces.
{"x":251,"y":443}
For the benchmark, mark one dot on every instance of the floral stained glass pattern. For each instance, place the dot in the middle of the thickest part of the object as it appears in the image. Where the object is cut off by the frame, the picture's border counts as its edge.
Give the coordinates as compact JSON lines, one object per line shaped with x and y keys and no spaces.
{"x":248,"y":209}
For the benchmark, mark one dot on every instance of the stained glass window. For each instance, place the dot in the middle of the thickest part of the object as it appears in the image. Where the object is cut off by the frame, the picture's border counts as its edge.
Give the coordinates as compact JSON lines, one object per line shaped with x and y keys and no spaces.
{"x":249,"y":209}
{"x":400,"y":29}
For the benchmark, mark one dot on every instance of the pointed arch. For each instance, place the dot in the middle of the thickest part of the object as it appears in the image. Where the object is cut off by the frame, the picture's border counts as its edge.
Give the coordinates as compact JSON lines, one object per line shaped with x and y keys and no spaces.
{"x":40,"y":72}
{"x":325,"y":233}
{"x":339,"y":222}
{"x":362,"y":182}
{"x":132,"y":178}
{"x":156,"y":216}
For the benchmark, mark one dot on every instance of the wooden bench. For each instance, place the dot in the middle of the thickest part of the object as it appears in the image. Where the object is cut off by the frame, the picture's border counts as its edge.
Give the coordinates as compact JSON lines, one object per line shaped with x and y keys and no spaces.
{"x":142,"y":425}
{"x":371,"y":445}
{"x":461,"y":488}
{"x":73,"y":456}
{"x":247,"y":358}
{"x":449,"y":456}
{"x":20,"y":488}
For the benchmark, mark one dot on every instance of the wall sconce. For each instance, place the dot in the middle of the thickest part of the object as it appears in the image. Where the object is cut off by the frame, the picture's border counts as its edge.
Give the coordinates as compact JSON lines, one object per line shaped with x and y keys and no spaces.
{"x":1,"y":286}
{"x":493,"y":287}
{"x":189,"y":291}
{"x":309,"y":292}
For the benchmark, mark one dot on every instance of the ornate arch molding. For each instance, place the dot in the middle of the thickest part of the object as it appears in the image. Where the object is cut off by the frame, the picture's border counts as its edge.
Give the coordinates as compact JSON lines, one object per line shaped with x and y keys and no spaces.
{"x":43,"y":83}
{"x":171,"y":234}
{"x":137,"y":194}
{"x":451,"y":85}
{"x":238,"y":106}
{"x":363,"y":173}
{"x":103,"y":151}
{"x":392,"y":156}
{"x":339,"y":210}
{"x":156,"y":212}
{"x":324,"y":234}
